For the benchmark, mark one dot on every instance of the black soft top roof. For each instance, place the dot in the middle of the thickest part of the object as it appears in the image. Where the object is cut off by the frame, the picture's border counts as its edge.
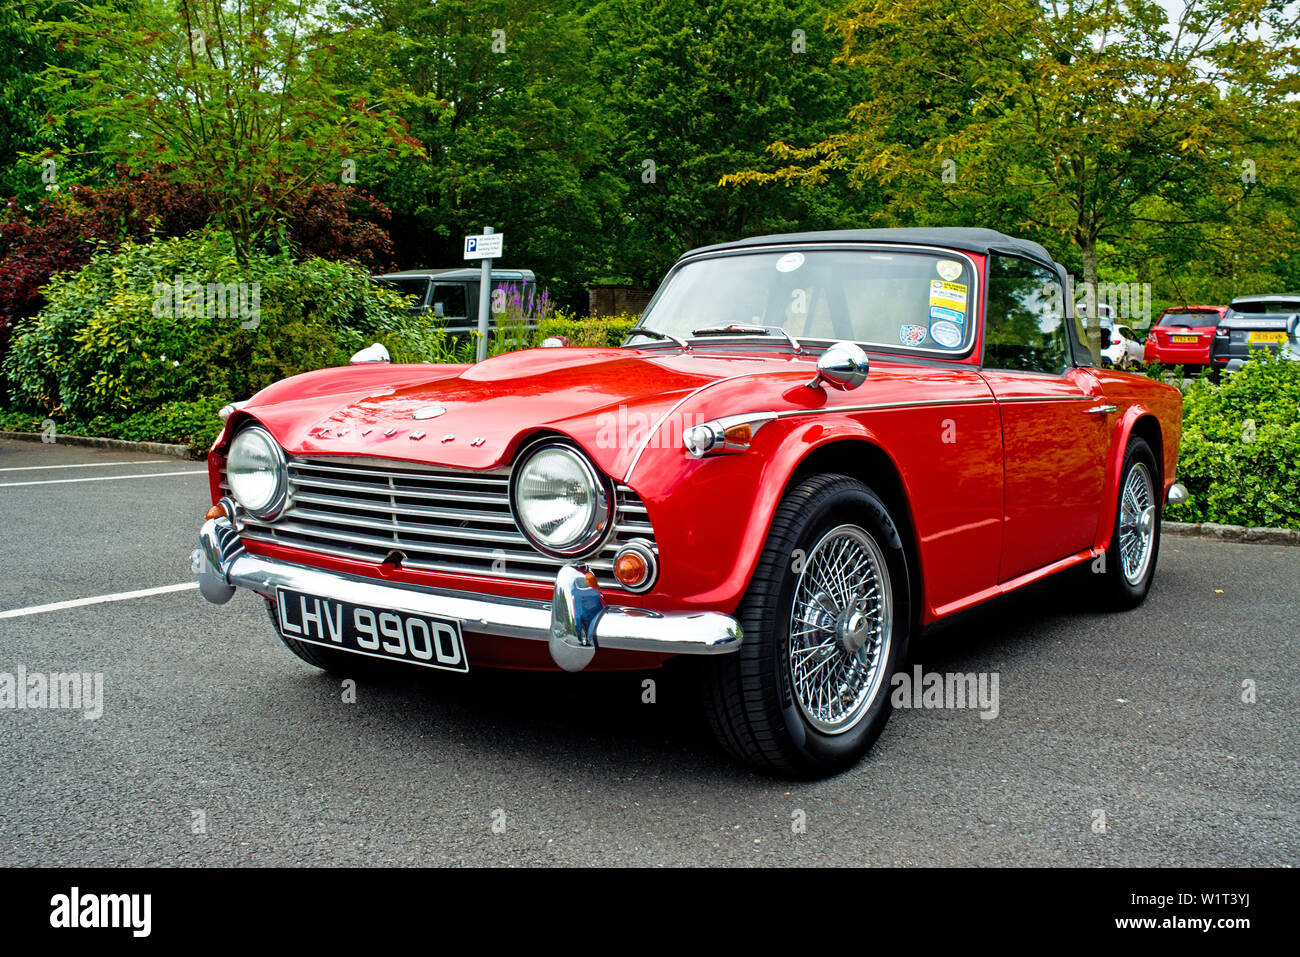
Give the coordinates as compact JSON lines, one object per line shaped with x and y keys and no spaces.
{"x":966,"y":238}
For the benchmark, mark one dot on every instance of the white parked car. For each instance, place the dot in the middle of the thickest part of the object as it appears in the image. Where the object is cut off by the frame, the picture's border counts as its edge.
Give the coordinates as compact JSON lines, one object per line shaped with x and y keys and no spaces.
{"x":1126,"y":348}
{"x":1122,"y":348}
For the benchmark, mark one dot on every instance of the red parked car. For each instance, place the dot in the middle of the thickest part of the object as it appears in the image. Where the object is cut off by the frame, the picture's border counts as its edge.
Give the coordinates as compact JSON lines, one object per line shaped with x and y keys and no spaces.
{"x":811,"y":448}
{"x":1183,"y":336}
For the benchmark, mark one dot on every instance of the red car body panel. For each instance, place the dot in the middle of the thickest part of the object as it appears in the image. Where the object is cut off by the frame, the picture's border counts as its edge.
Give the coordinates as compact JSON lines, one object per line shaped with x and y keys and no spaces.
{"x":1161,"y":344}
{"x":1005,"y":476}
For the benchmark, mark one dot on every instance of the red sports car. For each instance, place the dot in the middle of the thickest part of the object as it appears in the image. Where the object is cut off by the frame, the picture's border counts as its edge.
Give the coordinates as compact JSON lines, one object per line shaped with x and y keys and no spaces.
{"x":1183,"y":336}
{"x":812,"y":447}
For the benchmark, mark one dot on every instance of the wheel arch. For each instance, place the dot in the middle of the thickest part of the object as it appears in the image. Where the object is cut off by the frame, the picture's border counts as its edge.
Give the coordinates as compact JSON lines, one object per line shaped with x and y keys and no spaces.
{"x":870,"y":464}
{"x":1141,"y":423}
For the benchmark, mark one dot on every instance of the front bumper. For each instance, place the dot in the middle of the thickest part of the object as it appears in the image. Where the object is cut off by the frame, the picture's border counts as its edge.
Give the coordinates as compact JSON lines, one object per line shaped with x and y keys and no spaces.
{"x":574,"y":623}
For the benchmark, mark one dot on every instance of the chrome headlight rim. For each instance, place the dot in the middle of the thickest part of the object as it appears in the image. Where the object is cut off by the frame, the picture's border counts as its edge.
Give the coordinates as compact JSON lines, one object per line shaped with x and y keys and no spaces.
{"x":602,"y":523}
{"x":275,"y":506}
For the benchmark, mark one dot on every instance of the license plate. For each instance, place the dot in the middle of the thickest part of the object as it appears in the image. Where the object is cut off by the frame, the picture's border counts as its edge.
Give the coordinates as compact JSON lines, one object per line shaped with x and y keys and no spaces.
{"x":1191,"y":340}
{"x":1278,"y":337}
{"x":378,"y":632}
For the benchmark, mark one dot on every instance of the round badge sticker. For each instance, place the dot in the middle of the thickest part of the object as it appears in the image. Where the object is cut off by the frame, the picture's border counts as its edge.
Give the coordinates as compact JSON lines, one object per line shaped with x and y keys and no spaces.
{"x":948,"y":269}
{"x":789,"y":262}
{"x":945,"y":333}
{"x":911,"y":335}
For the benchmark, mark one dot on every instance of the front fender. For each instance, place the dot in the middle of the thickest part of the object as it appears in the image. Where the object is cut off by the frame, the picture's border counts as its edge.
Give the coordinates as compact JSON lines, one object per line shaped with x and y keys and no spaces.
{"x":1126,"y":423}
{"x":712,"y":515}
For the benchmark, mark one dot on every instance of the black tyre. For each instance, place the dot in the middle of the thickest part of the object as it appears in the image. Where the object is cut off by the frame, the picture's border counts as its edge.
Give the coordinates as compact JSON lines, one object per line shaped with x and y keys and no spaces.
{"x":826,"y":621}
{"x":1125,"y":572}
{"x":340,"y":663}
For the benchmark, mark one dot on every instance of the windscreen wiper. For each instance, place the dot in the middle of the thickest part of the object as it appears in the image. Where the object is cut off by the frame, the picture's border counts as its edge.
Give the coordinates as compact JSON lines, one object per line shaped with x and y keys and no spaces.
{"x":656,"y":334}
{"x":741,"y":329}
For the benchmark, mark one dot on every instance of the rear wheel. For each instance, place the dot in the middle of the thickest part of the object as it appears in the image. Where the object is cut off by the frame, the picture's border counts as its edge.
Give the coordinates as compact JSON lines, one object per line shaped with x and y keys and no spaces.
{"x":826,"y":621}
{"x":1130,"y":563}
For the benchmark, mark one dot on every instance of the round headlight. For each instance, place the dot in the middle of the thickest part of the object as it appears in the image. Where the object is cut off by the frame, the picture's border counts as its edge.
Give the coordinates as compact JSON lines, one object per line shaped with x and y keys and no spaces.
{"x":255,"y":470}
{"x":559,"y":501}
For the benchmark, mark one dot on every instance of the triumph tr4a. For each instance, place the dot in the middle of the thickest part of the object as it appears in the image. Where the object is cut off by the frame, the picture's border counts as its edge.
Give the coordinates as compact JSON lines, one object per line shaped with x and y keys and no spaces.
{"x":810,"y":448}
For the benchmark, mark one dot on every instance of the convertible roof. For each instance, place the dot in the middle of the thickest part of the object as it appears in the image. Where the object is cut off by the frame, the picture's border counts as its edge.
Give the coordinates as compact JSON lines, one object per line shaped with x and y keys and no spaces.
{"x":967,"y":238}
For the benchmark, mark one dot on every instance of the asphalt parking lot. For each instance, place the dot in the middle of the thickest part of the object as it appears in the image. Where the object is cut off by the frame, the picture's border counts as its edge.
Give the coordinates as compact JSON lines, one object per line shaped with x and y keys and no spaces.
{"x":217,"y":747}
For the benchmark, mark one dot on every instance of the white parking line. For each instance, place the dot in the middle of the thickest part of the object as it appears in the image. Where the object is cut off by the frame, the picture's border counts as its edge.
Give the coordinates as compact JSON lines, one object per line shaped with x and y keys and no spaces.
{"x":103,"y":478}
{"x":81,"y":465}
{"x":97,"y":600}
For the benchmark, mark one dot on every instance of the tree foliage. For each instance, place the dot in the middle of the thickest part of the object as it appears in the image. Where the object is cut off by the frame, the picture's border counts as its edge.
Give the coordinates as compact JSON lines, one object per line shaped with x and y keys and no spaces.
{"x":1083,"y":124}
{"x":235,"y":96}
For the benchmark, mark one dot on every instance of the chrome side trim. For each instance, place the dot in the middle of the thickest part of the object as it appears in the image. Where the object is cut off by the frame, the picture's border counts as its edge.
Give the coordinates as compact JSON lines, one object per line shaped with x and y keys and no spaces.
{"x":1049,"y":398}
{"x":910,"y":404}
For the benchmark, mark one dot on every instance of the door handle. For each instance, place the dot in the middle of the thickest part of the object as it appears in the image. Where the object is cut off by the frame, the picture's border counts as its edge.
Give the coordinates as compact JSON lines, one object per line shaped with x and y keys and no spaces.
{"x":1102,"y":409}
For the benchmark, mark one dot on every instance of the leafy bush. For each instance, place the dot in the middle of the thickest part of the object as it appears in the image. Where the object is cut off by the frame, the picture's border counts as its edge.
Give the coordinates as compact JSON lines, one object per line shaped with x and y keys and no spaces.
{"x":115,"y":339}
{"x":1240,"y":456}
{"x":598,"y":331}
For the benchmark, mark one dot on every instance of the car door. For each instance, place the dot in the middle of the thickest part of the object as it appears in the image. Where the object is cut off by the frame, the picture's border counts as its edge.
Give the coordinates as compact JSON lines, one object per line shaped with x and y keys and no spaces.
{"x":1055,"y":421}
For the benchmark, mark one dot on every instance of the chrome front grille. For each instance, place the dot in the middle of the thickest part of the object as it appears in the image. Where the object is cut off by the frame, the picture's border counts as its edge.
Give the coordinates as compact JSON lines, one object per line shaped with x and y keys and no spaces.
{"x":438,"y":519}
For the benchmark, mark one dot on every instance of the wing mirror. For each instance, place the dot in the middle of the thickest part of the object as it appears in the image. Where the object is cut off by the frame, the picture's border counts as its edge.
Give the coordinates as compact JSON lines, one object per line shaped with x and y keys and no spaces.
{"x":371,"y":353}
{"x":1291,"y":323}
{"x":842,"y":366}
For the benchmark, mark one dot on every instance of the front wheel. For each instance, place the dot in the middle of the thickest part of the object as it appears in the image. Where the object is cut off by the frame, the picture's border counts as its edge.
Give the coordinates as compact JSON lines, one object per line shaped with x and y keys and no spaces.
{"x":826,"y":620}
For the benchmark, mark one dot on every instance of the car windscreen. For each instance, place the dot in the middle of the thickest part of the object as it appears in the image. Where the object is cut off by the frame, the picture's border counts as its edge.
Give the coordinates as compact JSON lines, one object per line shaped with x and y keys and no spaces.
{"x":1189,"y":318}
{"x":881,"y":297}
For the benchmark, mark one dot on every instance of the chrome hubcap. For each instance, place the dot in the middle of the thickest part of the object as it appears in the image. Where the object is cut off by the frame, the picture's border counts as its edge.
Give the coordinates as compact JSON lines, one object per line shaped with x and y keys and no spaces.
{"x":840,"y":629}
{"x":1137,"y":523}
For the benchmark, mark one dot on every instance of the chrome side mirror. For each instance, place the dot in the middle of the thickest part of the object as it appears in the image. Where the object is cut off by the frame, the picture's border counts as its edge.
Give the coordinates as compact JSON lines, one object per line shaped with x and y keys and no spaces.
{"x":842,"y":366}
{"x":371,"y":353}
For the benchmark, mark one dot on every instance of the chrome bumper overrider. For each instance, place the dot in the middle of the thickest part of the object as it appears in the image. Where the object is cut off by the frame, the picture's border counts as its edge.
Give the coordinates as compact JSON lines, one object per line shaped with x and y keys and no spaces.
{"x":574,"y":624}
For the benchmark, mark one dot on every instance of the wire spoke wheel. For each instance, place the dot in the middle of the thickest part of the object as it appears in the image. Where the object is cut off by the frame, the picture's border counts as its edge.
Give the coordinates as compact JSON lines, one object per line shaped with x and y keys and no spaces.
{"x":840,"y":628}
{"x":1137,"y":518}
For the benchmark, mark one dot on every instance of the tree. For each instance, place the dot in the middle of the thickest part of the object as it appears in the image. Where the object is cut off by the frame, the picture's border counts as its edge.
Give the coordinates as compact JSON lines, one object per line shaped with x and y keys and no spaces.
{"x":33,"y":146}
{"x":1084,"y":121}
{"x":512,"y":124}
{"x":697,"y":91}
{"x":234,"y":96}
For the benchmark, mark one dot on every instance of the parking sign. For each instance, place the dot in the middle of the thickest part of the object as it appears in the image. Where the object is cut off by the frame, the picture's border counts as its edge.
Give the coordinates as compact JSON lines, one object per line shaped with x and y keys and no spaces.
{"x":485,"y":246}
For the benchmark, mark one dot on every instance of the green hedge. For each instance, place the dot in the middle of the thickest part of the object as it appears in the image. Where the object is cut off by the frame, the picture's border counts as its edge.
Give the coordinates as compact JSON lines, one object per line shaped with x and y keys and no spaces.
{"x":1240,"y":454}
{"x":194,"y":424}
{"x":601,"y":331}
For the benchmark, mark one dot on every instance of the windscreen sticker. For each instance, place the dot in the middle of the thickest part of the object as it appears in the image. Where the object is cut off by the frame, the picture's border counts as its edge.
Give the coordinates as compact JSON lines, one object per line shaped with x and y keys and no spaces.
{"x":911,"y":335}
{"x":951,"y":295}
{"x":946,"y":334}
{"x":789,"y":262}
{"x":952,"y":315}
{"x":948,"y":269}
